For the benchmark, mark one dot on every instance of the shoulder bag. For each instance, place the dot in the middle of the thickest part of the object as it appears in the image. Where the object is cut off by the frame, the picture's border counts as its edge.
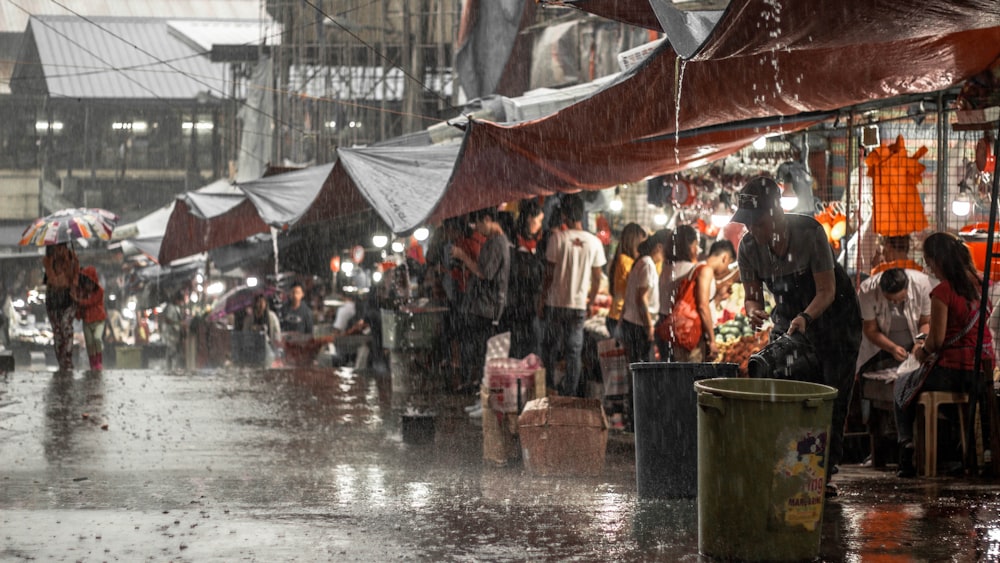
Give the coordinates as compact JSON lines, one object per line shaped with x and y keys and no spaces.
{"x":908,"y":385}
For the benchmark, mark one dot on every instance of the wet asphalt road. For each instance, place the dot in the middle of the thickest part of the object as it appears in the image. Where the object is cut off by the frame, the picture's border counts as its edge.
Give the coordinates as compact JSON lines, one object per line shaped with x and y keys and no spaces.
{"x":310,"y":465}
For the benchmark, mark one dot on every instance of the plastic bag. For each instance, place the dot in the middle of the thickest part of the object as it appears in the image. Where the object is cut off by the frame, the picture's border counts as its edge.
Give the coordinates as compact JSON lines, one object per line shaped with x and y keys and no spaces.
{"x":909,"y":364}
{"x":614,"y":367}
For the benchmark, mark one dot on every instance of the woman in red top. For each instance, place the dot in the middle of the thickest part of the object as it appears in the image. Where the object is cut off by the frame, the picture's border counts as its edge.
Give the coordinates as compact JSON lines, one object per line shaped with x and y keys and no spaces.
{"x":953,"y":330}
{"x":89,"y":298}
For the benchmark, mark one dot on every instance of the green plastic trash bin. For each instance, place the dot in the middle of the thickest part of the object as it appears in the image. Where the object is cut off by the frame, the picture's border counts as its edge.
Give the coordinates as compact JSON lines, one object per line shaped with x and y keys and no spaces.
{"x":665,"y":415}
{"x":762,"y":453}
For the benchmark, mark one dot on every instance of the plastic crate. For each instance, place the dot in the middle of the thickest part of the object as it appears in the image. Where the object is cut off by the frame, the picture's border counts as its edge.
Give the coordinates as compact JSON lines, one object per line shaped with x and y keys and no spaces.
{"x":128,"y":357}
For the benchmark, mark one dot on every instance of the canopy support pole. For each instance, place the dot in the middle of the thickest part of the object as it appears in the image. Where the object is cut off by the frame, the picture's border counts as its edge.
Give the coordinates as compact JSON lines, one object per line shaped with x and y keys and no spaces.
{"x":982,"y":394}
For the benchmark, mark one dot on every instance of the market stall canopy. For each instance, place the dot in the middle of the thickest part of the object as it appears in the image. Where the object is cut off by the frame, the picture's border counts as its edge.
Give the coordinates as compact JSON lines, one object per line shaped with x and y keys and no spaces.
{"x":201,"y":222}
{"x":764,"y":69}
{"x":754,"y":67}
{"x":146,"y":233}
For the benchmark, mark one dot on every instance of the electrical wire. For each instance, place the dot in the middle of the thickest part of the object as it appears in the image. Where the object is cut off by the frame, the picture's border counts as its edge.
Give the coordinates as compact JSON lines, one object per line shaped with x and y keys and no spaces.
{"x":379,"y":54}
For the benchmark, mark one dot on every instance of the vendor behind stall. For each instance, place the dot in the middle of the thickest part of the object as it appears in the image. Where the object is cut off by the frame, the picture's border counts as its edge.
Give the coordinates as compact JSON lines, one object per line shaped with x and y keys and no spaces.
{"x":813,"y":295}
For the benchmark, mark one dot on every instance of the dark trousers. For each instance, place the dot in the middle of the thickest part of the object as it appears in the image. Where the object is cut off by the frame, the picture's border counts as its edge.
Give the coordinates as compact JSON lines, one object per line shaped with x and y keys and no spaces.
{"x":838,"y":359}
{"x":636,"y":340}
{"x":564,"y":336}
{"x":478,"y":331}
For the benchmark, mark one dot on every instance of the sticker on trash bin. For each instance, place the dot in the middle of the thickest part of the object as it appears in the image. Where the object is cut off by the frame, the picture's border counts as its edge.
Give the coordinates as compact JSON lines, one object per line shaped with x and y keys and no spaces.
{"x":799,"y":479}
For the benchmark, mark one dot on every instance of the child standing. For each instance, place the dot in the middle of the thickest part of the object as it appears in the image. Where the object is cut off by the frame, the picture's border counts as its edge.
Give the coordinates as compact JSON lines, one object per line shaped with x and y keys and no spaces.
{"x":90,"y":309}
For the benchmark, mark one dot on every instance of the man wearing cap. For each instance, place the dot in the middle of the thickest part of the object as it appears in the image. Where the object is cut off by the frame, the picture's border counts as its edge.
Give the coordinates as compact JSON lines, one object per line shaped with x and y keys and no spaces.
{"x":790,"y":254}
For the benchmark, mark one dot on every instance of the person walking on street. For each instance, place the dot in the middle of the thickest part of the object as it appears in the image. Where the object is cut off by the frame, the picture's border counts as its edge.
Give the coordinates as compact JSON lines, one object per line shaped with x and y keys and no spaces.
{"x":90,"y":309}
{"x":487,"y":295}
{"x":297,"y":317}
{"x":62,"y":274}
{"x":572,"y":279}
{"x":264,"y":321}
{"x":172,"y":330}
{"x":792,"y":256}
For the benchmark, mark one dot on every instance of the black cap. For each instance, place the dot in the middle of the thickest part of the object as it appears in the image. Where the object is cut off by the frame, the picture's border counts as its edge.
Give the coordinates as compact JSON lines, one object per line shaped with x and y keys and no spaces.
{"x":758,"y":198}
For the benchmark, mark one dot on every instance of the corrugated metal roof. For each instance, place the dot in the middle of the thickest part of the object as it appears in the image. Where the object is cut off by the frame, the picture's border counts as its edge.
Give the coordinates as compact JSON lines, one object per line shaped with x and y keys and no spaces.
{"x":118,"y":58}
{"x":203,"y":34}
{"x":14,"y":18}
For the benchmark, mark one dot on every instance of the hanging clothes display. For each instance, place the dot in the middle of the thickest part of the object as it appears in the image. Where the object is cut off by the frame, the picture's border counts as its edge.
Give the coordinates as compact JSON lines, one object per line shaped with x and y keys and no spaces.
{"x":898,"y":209}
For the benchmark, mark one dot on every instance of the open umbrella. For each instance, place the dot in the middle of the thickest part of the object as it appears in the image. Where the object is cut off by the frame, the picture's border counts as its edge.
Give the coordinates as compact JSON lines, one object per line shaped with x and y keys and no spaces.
{"x":237,"y":299}
{"x":68,"y":224}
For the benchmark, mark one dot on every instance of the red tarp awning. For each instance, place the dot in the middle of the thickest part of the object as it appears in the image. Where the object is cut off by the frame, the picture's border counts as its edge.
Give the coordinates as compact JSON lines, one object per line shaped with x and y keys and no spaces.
{"x":836,"y":54}
{"x":764,"y":68}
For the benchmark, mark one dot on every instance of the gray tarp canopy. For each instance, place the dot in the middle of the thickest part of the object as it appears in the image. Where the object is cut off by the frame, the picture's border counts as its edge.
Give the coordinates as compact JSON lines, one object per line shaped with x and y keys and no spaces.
{"x":147,"y":232}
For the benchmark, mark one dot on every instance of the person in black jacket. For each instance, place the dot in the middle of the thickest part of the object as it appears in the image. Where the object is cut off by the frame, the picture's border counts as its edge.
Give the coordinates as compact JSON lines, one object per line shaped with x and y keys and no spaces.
{"x":527,"y":270}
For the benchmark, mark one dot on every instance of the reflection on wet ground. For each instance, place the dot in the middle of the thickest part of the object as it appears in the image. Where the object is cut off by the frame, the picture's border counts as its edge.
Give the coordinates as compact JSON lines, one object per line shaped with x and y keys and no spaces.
{"x":311,"y":465}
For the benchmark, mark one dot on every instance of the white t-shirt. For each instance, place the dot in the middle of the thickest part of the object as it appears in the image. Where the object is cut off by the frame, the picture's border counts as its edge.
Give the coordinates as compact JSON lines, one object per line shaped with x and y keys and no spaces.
{"x":643,"y":277}
{"x":345,"y":313}
{"x":572,"y":254}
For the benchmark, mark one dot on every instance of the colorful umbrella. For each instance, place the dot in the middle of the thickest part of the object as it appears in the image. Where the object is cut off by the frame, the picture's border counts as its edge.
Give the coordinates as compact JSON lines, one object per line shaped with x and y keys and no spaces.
{"x":68,"y":224}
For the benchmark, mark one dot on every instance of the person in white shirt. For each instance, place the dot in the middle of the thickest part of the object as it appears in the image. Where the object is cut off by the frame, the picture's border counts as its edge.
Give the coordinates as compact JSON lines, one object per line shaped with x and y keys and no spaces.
{"x":681,"y":256}
{"x":574,"y":259}
{"x":642,"y":299}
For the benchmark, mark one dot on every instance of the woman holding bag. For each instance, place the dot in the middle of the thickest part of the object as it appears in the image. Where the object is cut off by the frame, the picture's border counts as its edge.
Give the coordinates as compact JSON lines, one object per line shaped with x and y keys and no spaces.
{"x":952,"y":336}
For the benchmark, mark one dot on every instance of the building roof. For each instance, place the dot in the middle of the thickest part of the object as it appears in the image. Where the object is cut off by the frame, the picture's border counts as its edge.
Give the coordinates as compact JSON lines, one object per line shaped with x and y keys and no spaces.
{"x":14,"y":15}
{"x":121,"y":58}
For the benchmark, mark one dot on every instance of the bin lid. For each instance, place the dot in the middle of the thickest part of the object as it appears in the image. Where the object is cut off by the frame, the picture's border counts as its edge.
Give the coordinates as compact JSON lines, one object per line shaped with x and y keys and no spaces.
{"x":763,"y":389}
{"x":718,"y":368}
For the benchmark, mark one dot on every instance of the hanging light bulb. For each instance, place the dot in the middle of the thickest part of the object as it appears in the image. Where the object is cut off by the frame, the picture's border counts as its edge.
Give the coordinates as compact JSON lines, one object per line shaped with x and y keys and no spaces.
{"x":380,"y":241}
{"x":616,"y":205}
{"x":421,"y":234}
{"x":961,"y":206}
{"x":721,"y":215}
{"x":397,"y":246}
{"x":789,"y":202}
{"x":660,"y":219}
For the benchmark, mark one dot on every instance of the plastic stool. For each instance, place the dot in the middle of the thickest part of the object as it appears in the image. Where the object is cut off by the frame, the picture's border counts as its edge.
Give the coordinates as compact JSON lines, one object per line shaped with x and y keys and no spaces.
{"x":931,"y":401}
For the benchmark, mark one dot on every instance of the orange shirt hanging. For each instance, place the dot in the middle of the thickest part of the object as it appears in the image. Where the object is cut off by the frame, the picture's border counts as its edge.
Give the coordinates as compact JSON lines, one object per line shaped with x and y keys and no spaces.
{"x":898,"y":209}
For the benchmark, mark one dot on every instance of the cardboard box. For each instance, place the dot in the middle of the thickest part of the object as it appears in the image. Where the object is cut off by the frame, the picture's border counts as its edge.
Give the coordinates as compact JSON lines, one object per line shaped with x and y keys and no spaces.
{"x":563,"y":436}
{"x":500,"y":443}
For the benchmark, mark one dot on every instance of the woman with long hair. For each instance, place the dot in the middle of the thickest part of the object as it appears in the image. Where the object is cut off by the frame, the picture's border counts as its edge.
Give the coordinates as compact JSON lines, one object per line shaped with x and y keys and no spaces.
{"x":680,"y":257}
{"x":621,"y":264}
{"x":952,"y":336}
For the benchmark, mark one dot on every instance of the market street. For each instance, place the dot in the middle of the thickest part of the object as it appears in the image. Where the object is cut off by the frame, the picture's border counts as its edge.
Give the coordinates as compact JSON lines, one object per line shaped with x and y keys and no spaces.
{"x":310,"y":465}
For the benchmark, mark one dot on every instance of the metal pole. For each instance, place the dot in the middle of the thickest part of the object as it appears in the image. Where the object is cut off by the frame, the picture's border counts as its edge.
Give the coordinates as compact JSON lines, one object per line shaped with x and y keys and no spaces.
{"x":976,"y":397}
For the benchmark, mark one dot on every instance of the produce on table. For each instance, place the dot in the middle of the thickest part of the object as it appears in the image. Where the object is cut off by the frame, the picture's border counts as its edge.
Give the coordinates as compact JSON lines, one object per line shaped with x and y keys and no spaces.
{"x":737,"y":342}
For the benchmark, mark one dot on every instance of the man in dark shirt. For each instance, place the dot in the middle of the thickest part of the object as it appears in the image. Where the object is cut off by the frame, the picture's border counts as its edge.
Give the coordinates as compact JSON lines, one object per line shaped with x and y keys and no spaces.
{"x":790,"y":255}
{"x":297,"y":317}
{"x":487,"y":297}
